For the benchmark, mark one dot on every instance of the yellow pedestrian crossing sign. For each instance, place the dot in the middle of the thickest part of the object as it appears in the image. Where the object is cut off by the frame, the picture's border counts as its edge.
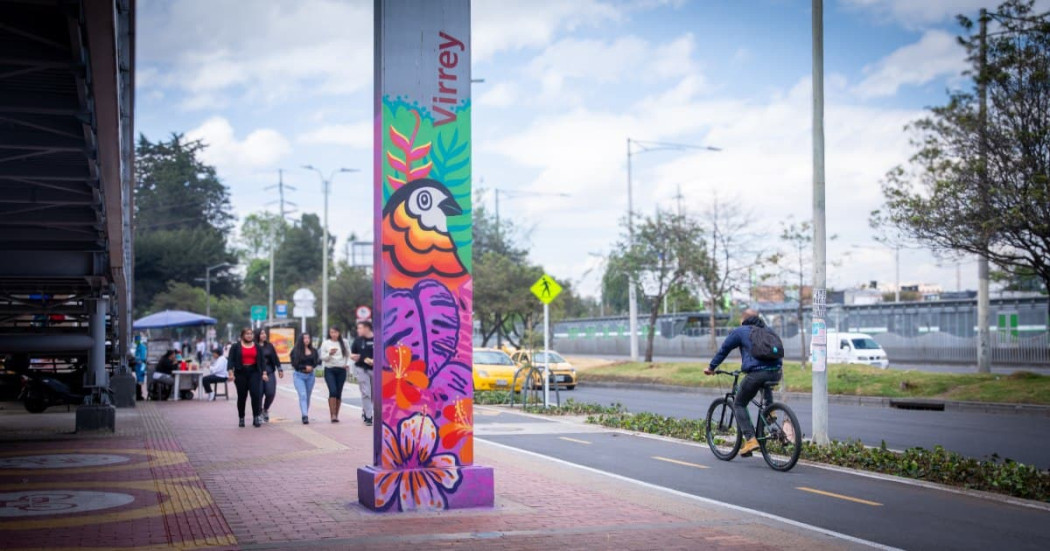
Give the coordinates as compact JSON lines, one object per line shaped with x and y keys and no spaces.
{"x":546,"y":289}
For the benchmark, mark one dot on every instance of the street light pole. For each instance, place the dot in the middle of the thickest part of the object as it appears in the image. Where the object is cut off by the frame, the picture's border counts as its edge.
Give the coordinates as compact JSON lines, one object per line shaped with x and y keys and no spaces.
{"x":632,"y":294}
{"x":207,"y":288}
{"x":326,"y":184}
{"x":819,"y":339}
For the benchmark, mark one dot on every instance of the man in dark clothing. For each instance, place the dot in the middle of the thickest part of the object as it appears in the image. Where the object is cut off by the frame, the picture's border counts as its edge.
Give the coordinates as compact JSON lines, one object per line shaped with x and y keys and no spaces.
{"x":362,"y":353}
{"x":758,"y":373}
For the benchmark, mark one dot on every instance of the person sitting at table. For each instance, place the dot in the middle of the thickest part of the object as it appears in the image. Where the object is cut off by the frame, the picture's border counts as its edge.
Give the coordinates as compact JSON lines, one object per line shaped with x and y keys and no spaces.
{"x":217,"y":373}
{"x":162,"y":375}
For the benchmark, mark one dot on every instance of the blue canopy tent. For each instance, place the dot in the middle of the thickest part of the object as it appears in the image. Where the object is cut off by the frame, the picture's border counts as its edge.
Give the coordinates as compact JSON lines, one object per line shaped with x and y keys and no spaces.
{"x":172,"y":318}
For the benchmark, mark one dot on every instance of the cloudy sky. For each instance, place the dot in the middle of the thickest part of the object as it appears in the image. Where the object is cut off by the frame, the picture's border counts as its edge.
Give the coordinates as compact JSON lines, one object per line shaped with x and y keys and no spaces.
{"x":278,"y":84}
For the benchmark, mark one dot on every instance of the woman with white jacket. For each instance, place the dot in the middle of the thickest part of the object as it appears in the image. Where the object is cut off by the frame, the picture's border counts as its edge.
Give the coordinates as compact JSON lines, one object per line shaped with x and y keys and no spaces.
{"x":335,"y":356}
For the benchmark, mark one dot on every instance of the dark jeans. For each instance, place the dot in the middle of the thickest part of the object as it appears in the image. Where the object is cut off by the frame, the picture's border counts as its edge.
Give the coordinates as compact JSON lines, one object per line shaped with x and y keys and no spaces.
{"x":753,"y":382}
{"x":248,"y":383}
{"x":335,"y":378}
{"x":209,"y":380}
{"x":269,"y":389}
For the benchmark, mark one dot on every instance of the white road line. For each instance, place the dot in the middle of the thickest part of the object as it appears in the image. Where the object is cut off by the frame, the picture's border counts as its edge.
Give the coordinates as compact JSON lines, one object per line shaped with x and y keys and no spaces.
{"x":795,"y":523}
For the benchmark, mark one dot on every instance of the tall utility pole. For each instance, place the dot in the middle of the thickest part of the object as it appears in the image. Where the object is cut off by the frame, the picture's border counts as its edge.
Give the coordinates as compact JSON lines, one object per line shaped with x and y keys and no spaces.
{"x":273,"y":238}
{"x":984,"y":357}
{"x":326,"y":185}
{"x":819,"y":346}
{"x":632,"y":294}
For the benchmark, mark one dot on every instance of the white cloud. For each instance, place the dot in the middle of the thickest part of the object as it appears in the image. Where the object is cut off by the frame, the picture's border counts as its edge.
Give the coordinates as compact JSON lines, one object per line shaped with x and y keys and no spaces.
{"x":918,"y":13}
{"x":220,"y":51}
{"x":499,"y":95}
{"x":358,"y":134}
{"x":260,"y":149}
{"x":500,"y":26}
{"x":936,"y":54}
{"x":765,"y":165}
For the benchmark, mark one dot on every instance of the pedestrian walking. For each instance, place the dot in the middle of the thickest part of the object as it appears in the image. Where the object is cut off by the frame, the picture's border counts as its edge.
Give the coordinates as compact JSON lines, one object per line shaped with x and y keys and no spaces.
{"x":362,"y":353}
{"x":248,"y":377}
{"x":304,"y":361}
{"x":336,"y":357}
{"x":217,"y":373}
{"x":271,"y":363}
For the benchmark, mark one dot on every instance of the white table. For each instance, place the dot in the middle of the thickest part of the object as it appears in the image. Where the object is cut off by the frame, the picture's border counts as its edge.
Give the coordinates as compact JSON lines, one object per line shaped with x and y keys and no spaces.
{"x":190,"y":372}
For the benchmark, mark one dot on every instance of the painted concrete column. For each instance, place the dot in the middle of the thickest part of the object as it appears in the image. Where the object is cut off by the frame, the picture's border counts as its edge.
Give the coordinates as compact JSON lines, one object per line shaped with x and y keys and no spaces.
{"x":424,"y":430}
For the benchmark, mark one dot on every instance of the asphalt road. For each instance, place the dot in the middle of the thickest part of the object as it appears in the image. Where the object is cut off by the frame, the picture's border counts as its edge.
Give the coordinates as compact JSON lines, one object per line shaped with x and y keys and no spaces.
{"x":929,"y":367}
{"x":881,"y":511}
{"x":1018,"y":437}
{"x":886,"y":512}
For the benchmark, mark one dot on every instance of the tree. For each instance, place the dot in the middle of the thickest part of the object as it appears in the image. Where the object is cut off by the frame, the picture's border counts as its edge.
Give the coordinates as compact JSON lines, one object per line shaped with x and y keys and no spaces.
{"x":729,"y":255}
{"x":979,"y":180}
{"x":298,"y":260}
{"x":666,"y":250}
{"x":352,"y":287}
{"x":259,"y":232}
{"x":182,"y":217}
{"x":180,"y":255}
{"x":174,"y":189}
{"x":182,"y":296}
{"x":797,"y":263}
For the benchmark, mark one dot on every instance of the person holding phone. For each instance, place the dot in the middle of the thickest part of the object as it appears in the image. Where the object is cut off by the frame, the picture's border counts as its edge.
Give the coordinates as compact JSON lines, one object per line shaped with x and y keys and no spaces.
{"x":335,"y":356}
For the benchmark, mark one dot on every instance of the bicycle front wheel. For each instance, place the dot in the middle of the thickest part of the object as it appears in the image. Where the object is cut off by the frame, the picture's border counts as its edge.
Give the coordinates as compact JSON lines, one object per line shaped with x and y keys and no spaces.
{"x":721,"y":431}
{"x":780,"y":436}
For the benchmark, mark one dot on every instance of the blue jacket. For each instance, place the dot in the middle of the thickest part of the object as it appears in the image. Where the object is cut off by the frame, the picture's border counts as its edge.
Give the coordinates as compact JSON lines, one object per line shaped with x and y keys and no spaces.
{"x":741,"y":338}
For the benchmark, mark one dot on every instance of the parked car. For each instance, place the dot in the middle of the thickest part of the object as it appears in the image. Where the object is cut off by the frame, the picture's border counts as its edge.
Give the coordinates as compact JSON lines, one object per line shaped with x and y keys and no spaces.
{"x":494,"y":370}
{"x":856,"y":348}
{"x":562,"y":372}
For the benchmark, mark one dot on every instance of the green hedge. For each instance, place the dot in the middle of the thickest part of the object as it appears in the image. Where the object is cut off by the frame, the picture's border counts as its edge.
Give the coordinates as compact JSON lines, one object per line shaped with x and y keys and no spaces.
{"x":936,"y":465}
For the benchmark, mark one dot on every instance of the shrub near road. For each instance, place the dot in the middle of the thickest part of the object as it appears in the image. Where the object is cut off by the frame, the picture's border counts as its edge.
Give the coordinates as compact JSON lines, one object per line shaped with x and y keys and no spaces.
{"x":936,"y":465}
{"x":853,"y":380}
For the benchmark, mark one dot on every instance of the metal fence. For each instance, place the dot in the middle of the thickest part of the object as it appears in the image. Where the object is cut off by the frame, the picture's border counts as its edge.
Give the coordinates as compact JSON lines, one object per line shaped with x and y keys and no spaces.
{"x":937,"y":332}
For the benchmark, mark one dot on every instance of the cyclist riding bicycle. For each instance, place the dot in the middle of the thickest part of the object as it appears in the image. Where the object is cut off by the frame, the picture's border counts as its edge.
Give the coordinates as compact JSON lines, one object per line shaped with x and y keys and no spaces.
{"x":758,"y":373}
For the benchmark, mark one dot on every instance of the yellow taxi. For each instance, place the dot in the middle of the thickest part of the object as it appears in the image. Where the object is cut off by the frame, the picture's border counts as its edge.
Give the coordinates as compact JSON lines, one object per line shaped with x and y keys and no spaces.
{"x":562,"y":372}
{"x":494,"y":370}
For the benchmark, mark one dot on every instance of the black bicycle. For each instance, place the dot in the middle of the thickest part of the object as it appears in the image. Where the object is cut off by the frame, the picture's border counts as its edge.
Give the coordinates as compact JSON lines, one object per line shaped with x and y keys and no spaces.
{"x":777,"y":430}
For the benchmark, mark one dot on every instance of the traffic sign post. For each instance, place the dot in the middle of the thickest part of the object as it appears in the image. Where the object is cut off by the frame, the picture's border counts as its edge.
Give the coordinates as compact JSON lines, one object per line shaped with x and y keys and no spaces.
{"x":546,"y":289}
{"x":258,"y":312}
{"x":364,"y":313}
{"x":304,"y":300}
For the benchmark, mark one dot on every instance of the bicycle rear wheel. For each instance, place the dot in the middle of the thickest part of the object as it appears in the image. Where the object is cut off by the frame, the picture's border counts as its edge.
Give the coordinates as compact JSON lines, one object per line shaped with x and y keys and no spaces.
{"x":780,"y":436}
{"x":721,"y":431}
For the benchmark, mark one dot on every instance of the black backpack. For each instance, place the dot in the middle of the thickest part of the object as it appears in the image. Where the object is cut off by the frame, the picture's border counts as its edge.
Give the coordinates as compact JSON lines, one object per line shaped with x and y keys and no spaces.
{"x":765,"y":344}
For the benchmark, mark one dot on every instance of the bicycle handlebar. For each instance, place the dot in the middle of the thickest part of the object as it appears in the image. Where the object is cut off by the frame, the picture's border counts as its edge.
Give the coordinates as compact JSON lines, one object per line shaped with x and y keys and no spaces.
{"x":733,"y":373}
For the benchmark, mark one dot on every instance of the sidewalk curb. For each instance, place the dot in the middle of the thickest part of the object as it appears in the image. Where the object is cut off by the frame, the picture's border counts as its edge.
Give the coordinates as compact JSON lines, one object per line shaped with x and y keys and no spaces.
{"x":847,"y":400}
{"x":979,"y":494}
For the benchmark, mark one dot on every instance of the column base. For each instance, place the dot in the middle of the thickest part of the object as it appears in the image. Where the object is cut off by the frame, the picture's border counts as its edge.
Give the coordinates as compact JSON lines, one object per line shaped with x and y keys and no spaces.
{"x":96,"y":417}
{"x":476,"y":488}
{"x":123,"y":386}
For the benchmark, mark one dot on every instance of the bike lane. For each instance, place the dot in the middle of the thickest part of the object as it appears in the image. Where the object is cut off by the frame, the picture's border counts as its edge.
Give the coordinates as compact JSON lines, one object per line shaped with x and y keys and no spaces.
{"x":884,"y":511}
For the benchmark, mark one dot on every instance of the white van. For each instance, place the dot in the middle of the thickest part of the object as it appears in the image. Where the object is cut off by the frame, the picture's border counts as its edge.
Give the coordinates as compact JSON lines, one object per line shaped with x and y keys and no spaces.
{"x":855,"y":348}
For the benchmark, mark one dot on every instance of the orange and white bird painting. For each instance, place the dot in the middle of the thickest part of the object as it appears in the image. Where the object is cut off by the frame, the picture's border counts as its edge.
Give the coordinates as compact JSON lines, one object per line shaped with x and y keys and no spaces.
{"x":416,"y":239}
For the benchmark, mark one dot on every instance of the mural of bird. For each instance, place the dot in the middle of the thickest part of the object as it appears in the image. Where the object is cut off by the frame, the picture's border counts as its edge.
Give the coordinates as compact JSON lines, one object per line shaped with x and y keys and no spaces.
{"x":416,"y":240}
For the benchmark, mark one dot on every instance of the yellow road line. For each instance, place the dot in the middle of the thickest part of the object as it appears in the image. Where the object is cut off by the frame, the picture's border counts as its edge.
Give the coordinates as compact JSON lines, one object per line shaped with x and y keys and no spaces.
{"x":677,"y":462}
{"x":567,"y":439}
{"x":839,"y":496}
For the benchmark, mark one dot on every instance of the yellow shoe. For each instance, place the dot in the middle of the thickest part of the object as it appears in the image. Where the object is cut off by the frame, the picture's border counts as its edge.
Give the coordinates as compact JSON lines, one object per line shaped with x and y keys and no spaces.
{"x":749,"y":446}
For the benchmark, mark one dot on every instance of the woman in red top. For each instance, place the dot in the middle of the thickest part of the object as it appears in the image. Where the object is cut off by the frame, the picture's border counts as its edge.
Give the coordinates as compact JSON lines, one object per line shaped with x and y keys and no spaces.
{"x":247,"y":376}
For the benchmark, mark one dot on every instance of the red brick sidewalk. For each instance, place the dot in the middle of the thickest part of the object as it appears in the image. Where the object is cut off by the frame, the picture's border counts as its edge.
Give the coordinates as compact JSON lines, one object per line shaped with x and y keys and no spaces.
{"x":198,"y":481}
